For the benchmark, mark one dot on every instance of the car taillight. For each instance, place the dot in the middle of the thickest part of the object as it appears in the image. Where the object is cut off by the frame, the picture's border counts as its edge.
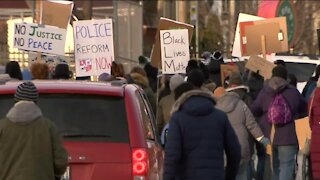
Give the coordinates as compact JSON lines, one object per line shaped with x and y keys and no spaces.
{"x":140,"y":163}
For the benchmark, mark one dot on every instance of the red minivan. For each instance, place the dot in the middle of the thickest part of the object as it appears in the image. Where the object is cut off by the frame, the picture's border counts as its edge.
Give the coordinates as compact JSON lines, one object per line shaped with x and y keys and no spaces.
{"x":108,"y":128}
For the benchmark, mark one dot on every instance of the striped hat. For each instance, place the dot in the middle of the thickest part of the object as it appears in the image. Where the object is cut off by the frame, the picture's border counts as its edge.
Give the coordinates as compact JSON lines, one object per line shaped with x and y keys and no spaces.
{"x":26,"y":91}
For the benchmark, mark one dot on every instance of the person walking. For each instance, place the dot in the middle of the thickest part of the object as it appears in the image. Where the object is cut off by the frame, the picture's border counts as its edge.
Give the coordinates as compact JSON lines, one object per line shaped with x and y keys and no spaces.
{"x":245,"y":126}
{"x":314,"y":120}
{"x":198,"y":136}
{"x":291,"y":105}
{"x":30,"y":146}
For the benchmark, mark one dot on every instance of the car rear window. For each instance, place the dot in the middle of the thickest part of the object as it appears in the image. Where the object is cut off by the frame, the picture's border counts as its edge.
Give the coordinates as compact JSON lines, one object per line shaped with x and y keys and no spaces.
{"x":82,"y":117}
{"x":303,"y":71}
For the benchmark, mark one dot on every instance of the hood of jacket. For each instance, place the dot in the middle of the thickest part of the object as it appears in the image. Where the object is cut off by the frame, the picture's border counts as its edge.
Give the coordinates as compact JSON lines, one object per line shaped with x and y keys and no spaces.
{"x":275,"y":85}
{"x":228,"y":102}
{"x":24,"y":112}
{"x":195,"y":103}
{"x":140,"y":80}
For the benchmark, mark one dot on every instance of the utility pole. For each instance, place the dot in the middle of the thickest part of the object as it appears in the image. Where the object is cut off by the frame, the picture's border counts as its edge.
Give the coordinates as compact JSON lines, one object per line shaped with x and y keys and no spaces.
{"x":194,"y":18}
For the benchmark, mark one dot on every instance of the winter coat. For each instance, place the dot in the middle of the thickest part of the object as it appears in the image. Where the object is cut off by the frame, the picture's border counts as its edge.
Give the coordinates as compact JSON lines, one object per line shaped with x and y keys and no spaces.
{"x":30,"y":147}
{"x":284,"y":134}
{"x":164,"y":110}
{"x":143,"y":82}
{"x":315,"y":135}
{"x":242,"y":121}
{"x":197,"y":137}
{"x":215,"y":71}
{"x":309,"y":87}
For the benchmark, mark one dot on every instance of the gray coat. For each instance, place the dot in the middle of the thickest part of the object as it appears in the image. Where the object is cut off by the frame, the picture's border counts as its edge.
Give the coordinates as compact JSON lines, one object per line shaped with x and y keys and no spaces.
{"x":242,"y":121}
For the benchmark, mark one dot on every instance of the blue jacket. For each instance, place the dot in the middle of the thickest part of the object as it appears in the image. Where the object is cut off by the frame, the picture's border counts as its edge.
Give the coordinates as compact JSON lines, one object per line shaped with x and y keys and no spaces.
{"x":285,"y":134}
{"x":199,"y":133}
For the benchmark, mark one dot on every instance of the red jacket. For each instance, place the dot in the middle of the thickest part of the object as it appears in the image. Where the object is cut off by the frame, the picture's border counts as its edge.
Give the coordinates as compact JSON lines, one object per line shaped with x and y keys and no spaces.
{"x":315,"y":135}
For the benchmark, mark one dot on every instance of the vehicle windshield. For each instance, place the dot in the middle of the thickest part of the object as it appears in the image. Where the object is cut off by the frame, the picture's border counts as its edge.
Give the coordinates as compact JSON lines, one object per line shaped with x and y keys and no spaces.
{"x":303,"y":71}
{"x":82,"y":117}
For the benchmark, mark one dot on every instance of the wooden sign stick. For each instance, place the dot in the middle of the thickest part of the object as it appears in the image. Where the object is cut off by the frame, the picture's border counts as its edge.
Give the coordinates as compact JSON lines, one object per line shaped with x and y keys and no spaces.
{"x":263,"y":46}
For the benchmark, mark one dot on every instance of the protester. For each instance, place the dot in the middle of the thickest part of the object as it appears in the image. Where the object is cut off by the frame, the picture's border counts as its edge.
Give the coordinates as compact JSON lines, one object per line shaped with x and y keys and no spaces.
{"x":152,"y":75}
{"x":196,"y":78}
{"x":245,"y":126}
{"x":39,"y":70}
{"x":105,"y":77}
{"x":198,"y":136}
{"x":219,"y":91}
{"x":314,"y":119}
{"x":165,"y":87}
{"x":284,"y":140}
{"x":255,"y":83}
{"x":13,"y":69}
{"x":143,"y":82}
{"x":292,"y":79}
{"x":311,"y":84}
{"x":117,"y":70}
{"x":236,"y":85}
{"x":62,"y":71}
{"x":165,"y":104}
{"x":214,"y":67}
{"x":30,"y":145}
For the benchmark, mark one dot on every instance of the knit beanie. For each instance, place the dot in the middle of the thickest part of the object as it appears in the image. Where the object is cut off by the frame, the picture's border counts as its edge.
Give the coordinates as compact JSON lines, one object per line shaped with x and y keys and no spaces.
{"x":196,"y":78}
{"x":175,"y":81}
{"x":26,"y":91}
{"x":235,"y":79}
{"x":279,"y":71}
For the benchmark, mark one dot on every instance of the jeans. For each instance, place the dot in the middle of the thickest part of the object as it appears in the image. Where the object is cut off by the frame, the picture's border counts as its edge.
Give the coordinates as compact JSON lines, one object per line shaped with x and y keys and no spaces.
{"x":284,"y":160}
{"x":243,"y":171}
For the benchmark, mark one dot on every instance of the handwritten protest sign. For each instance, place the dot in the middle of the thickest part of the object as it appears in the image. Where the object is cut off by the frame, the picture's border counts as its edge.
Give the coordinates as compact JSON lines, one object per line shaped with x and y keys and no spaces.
{"x":46,"y":39}
{"x":264,"y":66}
{"x":166,"y":24}
{"x":174,"y":50}
{"x":94,"y":51}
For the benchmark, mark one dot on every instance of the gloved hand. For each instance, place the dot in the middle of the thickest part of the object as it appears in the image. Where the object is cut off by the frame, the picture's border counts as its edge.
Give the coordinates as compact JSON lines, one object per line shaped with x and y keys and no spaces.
{"x":265,"y":141}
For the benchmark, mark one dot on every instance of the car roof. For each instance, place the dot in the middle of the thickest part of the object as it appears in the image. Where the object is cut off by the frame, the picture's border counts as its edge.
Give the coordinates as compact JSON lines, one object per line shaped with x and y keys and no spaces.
{"x":69,"y":86}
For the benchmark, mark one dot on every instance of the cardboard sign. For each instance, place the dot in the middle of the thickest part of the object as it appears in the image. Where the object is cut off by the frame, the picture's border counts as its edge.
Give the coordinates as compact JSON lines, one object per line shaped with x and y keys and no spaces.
{"x":226,"y":70}
{"x":166,"y":24}
{"x":256,"y":63}
{"x":303,"y":131}
{"x":274,"y":30}
{"x":174,"y":51}
{"x":236,"y":49}
{"x":56,"y":13}
{"x":39,"y":38}
{"x":94,"y":50}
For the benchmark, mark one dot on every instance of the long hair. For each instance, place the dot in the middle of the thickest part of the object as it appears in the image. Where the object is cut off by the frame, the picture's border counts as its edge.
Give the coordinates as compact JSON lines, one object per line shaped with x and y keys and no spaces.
{"x":13,"y":69}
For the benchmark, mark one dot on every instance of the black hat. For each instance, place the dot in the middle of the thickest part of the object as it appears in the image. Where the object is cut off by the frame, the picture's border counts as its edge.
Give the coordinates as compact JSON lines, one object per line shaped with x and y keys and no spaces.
{"x":280,"y":71}
{"x":182,"y":88}
{"x":196,"y":78}
{"x":26,"y":91}
{"x":62,"y":71}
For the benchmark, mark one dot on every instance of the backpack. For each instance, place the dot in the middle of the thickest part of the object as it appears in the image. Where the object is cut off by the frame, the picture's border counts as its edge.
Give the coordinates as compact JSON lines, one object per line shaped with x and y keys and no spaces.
{"x":279,"y":111}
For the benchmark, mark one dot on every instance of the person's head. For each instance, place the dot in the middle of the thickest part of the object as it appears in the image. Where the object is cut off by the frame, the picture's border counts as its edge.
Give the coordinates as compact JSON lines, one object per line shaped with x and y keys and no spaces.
{"x":104,"y":77}
{"x":182,"y":88}
{"x":192,"y":64}
{"x":117,"y":69}
{"x":142,"y":60}
{"x":39,"y":70}
{"x":152,"y":72}
{"x":280,"y":71}
{"x":175,"y":81}
{"x":217,"y":55}
{"x":292,"y":79}
{"x":280,"y":62}
{"x":61,"y":71}
{"x":13,"y":69}
{"x":139,"y":70}
{"x":26,"y":91}
{"x":196,"y":78}
{"x":235,"y":79}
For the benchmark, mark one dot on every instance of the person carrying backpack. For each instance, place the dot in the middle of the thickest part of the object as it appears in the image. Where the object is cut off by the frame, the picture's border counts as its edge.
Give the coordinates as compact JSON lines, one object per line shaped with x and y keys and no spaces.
{"x":279,"y":104}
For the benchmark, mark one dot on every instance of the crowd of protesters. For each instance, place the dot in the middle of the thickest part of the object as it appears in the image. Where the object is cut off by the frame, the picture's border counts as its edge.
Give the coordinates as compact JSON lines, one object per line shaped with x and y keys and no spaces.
{"x":215,"y":127}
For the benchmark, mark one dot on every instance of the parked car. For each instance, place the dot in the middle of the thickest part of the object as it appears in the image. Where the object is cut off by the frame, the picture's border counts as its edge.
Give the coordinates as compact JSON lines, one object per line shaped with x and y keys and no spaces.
{"x":300,"y":65}
{"x":108,"y":128}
